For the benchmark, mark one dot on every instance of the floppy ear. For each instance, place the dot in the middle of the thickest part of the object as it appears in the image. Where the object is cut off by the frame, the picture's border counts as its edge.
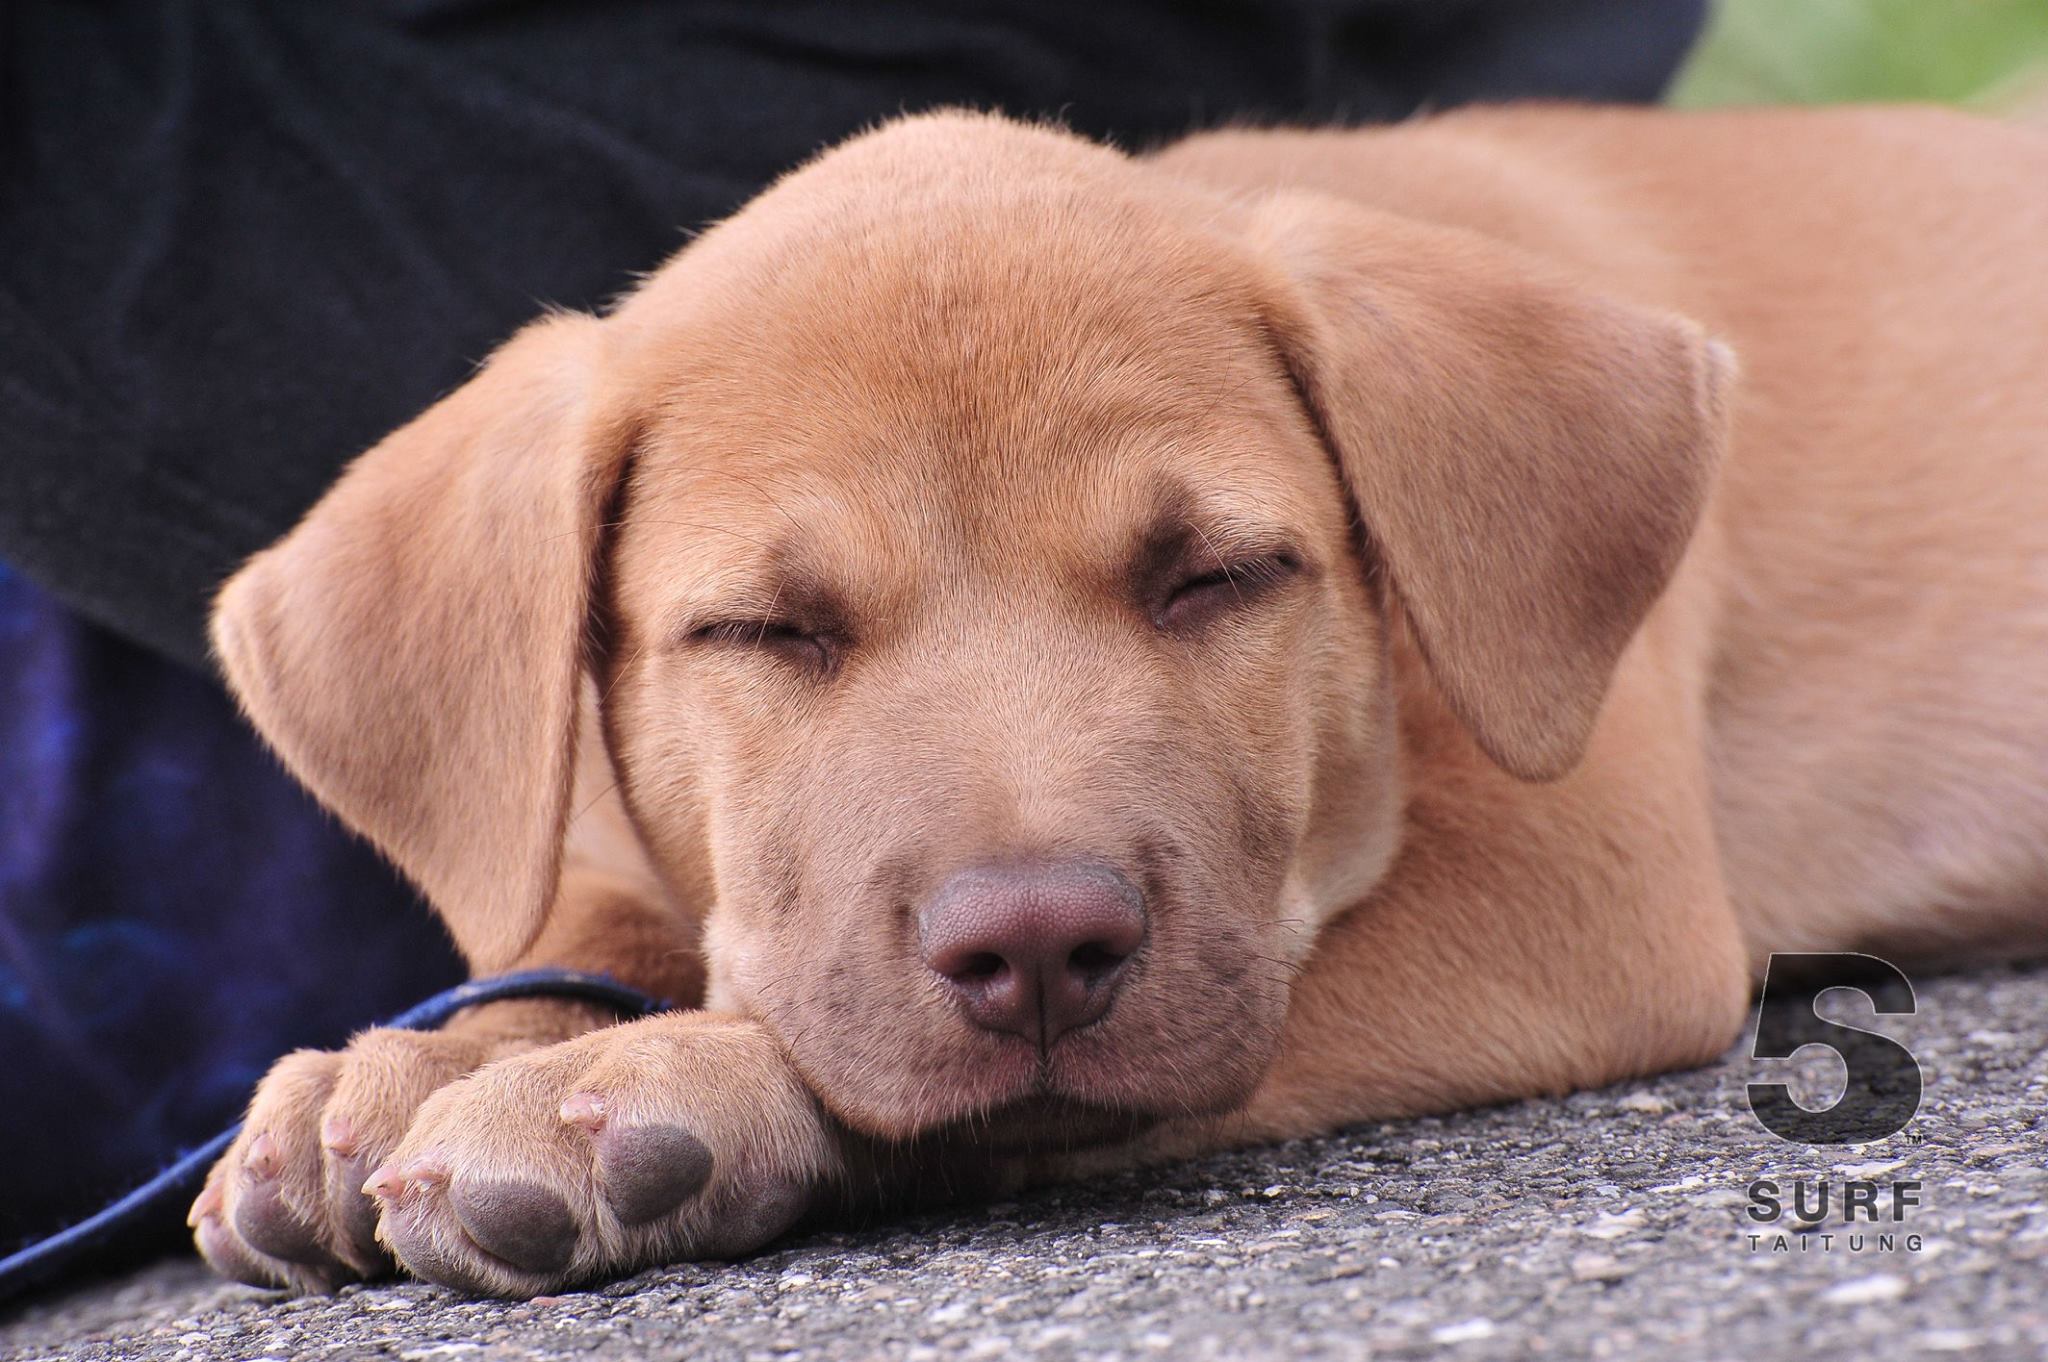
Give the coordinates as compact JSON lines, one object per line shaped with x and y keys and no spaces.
{"x":413,"y":649}
{"x":1529,"y":459}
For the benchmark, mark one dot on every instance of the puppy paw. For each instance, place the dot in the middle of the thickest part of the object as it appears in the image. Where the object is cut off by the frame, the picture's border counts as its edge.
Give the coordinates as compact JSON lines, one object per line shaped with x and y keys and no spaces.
{"x":285,"y":1205}
{"x":678,"y":1137}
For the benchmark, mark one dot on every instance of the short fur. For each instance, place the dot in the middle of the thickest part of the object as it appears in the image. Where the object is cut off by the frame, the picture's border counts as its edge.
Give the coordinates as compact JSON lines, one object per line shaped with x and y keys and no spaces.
{"x":1556,"y":674}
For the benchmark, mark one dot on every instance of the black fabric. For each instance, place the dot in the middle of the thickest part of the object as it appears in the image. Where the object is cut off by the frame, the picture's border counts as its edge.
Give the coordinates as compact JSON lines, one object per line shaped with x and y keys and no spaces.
{"x":241,"y":239}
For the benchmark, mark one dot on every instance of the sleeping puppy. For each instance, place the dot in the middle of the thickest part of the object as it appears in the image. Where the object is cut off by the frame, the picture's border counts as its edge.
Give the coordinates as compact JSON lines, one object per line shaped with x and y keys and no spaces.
{"x":1058,"y":659}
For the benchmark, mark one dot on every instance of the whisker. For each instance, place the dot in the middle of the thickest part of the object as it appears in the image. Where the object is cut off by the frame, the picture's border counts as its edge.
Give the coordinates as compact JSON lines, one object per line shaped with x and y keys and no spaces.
{"x":593,"y":803}
{"x":649,"y":520}
{"x":768,"y":616}
{"x":780,"y":509}
{"x":618,"y":675}
{"x":1221,"y":562}
{"x":1294,"y":970}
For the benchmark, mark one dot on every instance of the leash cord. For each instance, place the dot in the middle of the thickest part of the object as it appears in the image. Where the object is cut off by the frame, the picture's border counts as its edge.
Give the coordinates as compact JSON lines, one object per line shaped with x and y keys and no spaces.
{"x":47,"y":1257}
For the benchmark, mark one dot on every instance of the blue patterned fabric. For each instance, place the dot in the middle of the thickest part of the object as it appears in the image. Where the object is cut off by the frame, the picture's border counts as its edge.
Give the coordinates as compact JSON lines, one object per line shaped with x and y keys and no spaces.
{"x":174,"y":914}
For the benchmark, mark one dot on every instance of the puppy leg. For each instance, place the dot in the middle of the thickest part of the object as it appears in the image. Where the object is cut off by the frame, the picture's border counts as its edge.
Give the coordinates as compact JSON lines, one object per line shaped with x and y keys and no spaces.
{"x":687,"y":1135}
{"x":286,"y":1207}
{"x":1453,"y":992}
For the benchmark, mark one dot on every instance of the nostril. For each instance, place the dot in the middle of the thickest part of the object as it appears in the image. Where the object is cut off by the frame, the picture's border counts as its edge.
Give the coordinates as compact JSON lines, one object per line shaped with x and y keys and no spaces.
{"x":1095,"y":960}
{"x":983,"y":965}
{"x":1035,"y":951}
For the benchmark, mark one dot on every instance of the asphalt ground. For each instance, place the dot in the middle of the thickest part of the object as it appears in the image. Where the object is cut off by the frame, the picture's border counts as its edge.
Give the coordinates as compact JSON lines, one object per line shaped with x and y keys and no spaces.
{"x":1606,"y":1224}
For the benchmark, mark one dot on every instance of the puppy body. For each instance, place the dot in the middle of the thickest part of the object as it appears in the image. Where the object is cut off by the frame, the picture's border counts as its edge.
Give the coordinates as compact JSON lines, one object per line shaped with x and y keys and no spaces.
{"x":1867,"y":589}
{"x":1360,"y":545}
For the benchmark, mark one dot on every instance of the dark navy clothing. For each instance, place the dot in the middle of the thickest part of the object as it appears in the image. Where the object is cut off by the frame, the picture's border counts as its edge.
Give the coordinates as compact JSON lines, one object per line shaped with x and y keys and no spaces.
{"x":174,"y":913}
{"x":241,"y":239}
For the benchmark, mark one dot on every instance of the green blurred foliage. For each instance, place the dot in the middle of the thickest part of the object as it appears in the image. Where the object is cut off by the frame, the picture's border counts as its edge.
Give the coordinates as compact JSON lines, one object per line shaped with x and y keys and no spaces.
{"x":1988,"y":54}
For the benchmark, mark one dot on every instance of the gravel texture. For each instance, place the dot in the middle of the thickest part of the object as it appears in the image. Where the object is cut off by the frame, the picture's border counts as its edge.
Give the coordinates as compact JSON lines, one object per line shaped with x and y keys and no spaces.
{"x":1607,"y":1224}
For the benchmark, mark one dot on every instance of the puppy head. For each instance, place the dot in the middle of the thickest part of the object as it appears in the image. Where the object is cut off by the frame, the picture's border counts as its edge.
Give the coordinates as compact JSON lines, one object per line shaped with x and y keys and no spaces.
{"x":996,"y":546}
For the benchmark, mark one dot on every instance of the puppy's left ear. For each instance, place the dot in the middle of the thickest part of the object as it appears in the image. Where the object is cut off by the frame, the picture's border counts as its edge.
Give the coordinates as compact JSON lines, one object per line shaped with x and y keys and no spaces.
{"x":414,"y":650}
{"x":1529,"y":459}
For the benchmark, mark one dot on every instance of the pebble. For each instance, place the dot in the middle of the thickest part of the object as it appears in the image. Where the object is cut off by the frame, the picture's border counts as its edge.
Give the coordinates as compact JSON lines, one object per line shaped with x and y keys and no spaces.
{"x":1875,"y":1290}
{"x":1615,"y":1226}
{"x":1948,"y":1340}
{"x":1597,"y":1267}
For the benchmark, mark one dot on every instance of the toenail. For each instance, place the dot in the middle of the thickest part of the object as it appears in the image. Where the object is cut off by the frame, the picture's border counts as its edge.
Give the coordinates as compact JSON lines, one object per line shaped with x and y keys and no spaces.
{"x":522,"y":1223}
{"x":584,"y":1109}
{"x":263,"y":1159}
{"x":208,"y":1203}
{"x":387,"y":1182}
{"x":338,"y":1134}
{"x":648,"y":1171}
{"x":426,"y":1172}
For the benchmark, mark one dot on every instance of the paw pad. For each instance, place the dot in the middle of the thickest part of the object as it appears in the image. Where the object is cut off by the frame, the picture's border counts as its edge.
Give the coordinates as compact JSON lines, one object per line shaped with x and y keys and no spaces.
{"x":648,"y":1171}
{"x":225,"y":1252}
{"x":271,"y":1226}
{"x":521,"y":1223}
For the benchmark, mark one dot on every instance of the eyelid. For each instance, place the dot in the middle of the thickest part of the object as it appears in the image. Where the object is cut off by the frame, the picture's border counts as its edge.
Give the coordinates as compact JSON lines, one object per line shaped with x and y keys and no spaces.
{"x":1267,"y":566}
{"x":1237,"y":579}
{"x":700,"y":626}
{"x":1254,"y":568}
{"x":743,"y":615}
{"x":740,"y":628}
{"x":784,"y":639}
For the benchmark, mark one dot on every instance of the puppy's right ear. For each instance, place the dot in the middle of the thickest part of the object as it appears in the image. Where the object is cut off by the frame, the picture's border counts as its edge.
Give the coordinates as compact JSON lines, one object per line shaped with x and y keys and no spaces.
{"x":413,"y":650}
{"x":1530,"y":459}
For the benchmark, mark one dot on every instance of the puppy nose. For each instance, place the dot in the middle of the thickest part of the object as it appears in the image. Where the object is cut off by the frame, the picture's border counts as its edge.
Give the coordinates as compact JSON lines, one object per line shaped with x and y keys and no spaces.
{"x":1036,"y":951}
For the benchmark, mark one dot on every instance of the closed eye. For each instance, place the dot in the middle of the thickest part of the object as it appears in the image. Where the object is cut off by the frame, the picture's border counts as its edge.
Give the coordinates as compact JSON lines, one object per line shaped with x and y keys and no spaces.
{"x":782,"y":637}
{"x":1200,"y":597}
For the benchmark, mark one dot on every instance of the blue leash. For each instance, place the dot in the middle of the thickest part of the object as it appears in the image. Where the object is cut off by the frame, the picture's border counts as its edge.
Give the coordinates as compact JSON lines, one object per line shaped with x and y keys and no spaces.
{"x":46,"y":1257}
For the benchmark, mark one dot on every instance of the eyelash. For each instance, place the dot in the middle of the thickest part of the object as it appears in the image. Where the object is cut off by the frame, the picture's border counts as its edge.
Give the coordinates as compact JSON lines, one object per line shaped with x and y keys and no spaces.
{"x":770,"y":635}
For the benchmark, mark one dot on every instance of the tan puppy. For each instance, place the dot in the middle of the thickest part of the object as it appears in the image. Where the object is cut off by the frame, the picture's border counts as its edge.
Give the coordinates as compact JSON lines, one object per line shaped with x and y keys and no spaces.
{"x":1074,"y":652}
